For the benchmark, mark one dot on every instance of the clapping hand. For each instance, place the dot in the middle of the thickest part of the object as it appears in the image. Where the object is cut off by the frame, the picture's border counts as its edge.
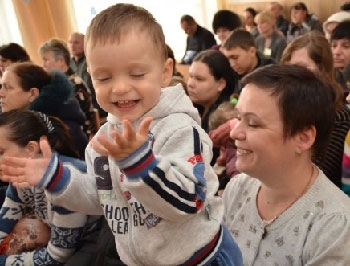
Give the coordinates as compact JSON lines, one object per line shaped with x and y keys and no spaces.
{"x":120,"y":145}
{"x":23,"y":172}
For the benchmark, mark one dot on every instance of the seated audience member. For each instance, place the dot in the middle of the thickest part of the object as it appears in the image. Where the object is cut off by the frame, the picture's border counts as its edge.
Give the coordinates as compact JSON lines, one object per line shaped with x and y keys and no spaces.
{"x":225,"y":164}
{"x":278,"y":11}
{"x":12,"y":53}
{"x":249,"y":21}
{"x":331,"y":22}
{"x":340,"y":45}
{"x":282,"y":209}
{"x":240,"y":50}
{"x":55,"y":56}
{"x":301,"y":21}
{"x":224,"y":22}
{"x":270,"y":42}
{"x":210,"y":83}
{"x":32,"y":230}
{"x":78,"y":64}
{"x":198,"y":39}
{"x":28,"y":86}
{"x":312,"y":51}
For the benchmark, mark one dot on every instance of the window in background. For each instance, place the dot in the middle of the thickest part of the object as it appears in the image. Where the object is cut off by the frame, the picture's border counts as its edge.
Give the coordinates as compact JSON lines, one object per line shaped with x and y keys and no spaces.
{"x":9,"y":30}
{"x":167,"y":13}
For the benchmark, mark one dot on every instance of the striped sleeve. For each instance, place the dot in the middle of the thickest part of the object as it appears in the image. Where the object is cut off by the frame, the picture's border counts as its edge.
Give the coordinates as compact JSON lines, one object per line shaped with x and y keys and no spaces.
{"x":346,"y":166}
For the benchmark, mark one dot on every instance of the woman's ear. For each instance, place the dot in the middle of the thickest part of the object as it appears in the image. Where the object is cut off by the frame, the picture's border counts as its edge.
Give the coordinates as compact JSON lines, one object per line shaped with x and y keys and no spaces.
{"x":32,"y":149}
{"x":167,"y":72}
{"x":34,"y":93}
{"x":221,"y":85}
{"x":305,"y":139}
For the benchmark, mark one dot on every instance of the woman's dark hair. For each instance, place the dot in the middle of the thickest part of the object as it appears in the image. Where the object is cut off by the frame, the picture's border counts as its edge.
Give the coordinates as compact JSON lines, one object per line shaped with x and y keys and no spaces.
{"x":26,"y":126}
{"x":303,"y":100}
{"x":30,"y":75}
{"x":14,"y":52}
{"x":226,"y":19}
{"x":341,"y":31}
{"x":220,"y":68}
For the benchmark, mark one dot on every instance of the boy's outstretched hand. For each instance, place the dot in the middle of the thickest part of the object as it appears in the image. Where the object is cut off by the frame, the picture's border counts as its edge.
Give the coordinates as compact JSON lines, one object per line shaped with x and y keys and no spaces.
{"x":121,"y":145}
{"x":23,"y":172}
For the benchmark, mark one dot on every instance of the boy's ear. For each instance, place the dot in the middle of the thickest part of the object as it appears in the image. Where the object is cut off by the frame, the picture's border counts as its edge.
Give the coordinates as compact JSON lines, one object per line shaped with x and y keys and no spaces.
{"x":167,"y":72}
{"x":32,"y":149}
{"x":34,"y":93}
{"x":305,"y":139}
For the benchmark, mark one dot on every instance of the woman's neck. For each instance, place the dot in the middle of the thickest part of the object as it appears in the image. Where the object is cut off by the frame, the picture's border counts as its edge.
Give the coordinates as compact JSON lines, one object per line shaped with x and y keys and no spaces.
{"x":274,"y":199}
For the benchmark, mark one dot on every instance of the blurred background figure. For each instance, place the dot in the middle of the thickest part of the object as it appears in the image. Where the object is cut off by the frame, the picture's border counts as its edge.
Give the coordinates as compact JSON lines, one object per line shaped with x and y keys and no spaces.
{"x":198,"y":39}
{"x":270,"y":41}
{"x":278,"y":11}
{"x":224,"y":22}
{"x":249,"y":23}
{"x":331,"y":22}
{"x":301,"y":21}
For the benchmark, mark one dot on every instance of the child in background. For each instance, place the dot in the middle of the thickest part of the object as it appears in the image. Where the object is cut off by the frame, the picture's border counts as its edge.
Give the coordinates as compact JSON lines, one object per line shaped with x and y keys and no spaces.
{"x":149,"y":165}
{"x":33,"y":231}
{"x":225,"y":164}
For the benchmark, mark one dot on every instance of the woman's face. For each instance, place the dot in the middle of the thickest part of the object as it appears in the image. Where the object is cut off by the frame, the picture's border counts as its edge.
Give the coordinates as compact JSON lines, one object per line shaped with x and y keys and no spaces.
{"x":265,"y":27}
{"x":248,"y":18}
{"x":223,"y":33}
{"x":12,"y":96}
{"x":9,"y":148}
{"x":202,"y":87}
{"x":301,"y":57}
{"x":258,"y":134}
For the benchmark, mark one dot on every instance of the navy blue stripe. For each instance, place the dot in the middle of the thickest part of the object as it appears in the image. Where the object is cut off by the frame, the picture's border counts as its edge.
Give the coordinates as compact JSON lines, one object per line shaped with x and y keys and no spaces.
{"x":196,"y":142}
{"x":170,"y":198}
{"x":173,"y":186}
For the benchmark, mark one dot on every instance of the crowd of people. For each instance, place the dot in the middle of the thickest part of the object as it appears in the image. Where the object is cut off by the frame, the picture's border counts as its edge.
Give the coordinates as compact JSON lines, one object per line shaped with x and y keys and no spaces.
{"x":108,"y":156}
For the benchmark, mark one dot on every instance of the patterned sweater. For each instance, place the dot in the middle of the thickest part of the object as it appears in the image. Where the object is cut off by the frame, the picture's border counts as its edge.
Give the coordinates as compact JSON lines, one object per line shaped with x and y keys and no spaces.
{"x":314,"y":231}
{"x":67,"y":227}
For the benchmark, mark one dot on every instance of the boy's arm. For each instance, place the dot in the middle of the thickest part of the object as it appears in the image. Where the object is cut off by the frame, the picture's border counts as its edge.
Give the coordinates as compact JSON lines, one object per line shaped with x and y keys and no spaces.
{"x":63,"y":183}
{"x":175,"y":181}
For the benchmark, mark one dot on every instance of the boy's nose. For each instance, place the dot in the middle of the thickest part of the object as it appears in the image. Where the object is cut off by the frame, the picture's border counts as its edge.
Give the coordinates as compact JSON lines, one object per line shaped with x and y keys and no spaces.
{"x":121,"y":87}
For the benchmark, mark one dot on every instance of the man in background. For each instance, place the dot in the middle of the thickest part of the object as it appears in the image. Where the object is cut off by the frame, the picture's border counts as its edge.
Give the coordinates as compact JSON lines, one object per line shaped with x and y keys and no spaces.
{"x":198,"y":39}
{"x":78,"y":65}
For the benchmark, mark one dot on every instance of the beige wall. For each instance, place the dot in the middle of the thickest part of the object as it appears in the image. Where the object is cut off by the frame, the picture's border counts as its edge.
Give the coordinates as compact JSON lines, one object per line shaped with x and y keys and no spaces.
{"x":322,"y":8}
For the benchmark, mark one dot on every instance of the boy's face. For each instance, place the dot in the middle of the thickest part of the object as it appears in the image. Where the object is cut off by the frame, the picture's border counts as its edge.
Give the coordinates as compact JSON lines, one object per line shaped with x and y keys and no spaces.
{"x":128,"y":76}
{"x":341,"y":53}
{"x":242,"y":61}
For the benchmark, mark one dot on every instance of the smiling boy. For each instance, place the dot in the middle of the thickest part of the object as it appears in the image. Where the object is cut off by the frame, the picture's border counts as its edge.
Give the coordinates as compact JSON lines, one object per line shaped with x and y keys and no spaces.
{"x":149,"y":165}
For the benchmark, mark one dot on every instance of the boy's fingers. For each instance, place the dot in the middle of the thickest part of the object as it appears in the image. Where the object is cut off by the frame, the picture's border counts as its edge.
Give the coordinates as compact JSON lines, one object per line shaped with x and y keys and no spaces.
{"x":144,"y":127}
{"x":129,"y":131}
{"x":99,"y":148}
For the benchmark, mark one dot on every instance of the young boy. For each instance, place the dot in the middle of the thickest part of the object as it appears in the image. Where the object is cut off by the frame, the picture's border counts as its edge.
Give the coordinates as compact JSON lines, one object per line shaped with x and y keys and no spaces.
{"x":149,"y":165}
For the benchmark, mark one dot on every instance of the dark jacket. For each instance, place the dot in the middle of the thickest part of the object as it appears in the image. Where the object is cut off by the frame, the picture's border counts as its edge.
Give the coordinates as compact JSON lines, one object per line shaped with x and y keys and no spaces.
{"x":57,"y":99}
{"x":202,"y":40}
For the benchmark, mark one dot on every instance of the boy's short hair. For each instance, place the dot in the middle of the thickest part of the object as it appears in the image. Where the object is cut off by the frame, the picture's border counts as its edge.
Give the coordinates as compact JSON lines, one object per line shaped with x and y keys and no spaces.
{"x":113,"y":23}
{"x":58,"y":48}
{"x":298,"y":92}
{"x":226,"y":19}
{"x":341,"y":31}
{"x":239,"y":38}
